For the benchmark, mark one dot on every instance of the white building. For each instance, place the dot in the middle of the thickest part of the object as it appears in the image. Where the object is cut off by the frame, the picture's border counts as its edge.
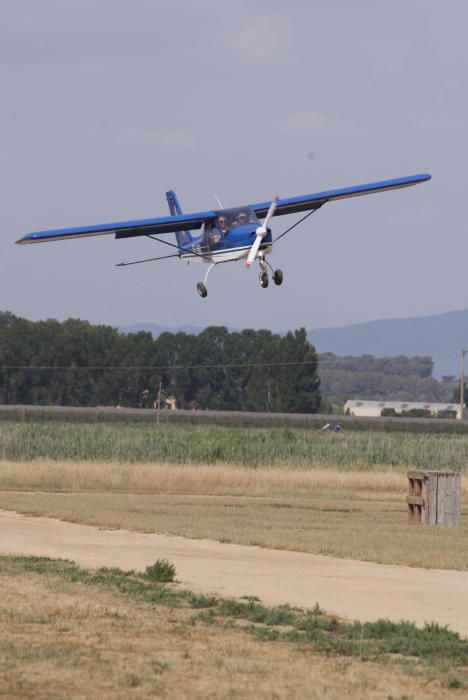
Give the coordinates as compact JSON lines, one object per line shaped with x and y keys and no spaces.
{"x":375,"y":408}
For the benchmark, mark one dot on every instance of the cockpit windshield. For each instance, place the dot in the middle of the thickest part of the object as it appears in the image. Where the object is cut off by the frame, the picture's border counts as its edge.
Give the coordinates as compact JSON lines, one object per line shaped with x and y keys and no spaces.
{"x":228,"y":219}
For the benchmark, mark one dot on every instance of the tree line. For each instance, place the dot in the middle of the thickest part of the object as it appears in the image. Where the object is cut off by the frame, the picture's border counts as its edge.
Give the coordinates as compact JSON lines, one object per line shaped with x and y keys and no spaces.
{"x":399,"y":378}
{"x":75,"y":363}
{"x":216,"y":369}
{"x":401,"y":365}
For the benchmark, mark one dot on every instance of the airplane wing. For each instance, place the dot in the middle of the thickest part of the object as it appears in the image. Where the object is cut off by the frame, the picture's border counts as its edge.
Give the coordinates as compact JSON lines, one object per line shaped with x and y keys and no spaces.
{"x":171,"y":224}
{"x":307,"y":202}
{"x":124,"y":229}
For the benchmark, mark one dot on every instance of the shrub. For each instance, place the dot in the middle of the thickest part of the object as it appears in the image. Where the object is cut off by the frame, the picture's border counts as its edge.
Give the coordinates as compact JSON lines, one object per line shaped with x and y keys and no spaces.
{"x":162,"y":571}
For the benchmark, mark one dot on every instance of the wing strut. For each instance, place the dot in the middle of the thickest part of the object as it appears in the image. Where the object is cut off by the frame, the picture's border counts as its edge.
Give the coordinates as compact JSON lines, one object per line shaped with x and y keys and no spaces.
{"x":178,"y":247}
{"x":135,"y":262}
{"x":164,"y":257}
{"x":296,"y":224}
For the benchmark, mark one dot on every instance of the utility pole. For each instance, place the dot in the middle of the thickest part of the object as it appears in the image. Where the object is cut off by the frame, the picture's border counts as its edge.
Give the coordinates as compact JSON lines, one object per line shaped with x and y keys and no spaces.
{"x":159,"y":403}
{"x":463,"y":351}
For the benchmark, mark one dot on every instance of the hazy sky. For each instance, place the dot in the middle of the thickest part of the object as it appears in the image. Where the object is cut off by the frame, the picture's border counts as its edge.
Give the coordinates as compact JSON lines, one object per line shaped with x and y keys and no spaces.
{"x":106,"y":104}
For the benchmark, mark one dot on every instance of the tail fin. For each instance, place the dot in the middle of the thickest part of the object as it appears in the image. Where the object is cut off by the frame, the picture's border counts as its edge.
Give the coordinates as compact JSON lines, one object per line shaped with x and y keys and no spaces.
{"x":183,"y":238}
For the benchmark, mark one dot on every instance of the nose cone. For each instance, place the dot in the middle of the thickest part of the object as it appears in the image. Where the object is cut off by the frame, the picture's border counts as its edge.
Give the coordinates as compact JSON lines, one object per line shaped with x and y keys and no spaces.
{"x":263,"y":232}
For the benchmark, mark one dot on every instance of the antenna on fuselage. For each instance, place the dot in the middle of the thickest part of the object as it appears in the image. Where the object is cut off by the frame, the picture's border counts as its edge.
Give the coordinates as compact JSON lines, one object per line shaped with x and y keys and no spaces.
{"x":218,"y":200}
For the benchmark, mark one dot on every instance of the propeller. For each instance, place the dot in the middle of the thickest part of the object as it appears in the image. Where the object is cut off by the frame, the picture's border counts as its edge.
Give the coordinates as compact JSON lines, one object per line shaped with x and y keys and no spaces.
{"x":261,"y":233}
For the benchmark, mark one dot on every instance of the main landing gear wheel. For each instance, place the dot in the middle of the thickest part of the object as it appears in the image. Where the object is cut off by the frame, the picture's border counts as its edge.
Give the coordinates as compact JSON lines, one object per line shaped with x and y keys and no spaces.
{"x":201,"y":286}
{"x":202,"y":290}
{"x":278,"y":277}
{"x":263,"y":280}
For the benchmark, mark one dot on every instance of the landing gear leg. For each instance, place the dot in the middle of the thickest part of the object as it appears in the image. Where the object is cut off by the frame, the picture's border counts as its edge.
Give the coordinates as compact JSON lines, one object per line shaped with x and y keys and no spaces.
{"x":201,"y":286}
{"x":264,"y":280}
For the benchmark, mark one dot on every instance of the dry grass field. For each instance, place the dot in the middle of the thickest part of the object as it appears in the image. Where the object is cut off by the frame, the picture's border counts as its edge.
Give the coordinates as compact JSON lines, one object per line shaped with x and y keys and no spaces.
{"x":358,"y":515}
{"x":65,"y":634}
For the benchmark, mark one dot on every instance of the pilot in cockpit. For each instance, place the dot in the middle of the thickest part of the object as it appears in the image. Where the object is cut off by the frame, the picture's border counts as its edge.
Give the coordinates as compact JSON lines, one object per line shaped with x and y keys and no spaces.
{"x":219,"y":230}
{"x":222,"y":224}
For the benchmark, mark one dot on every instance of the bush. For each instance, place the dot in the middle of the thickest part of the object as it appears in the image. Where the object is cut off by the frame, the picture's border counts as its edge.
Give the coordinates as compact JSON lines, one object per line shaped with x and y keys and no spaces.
{"x":162,"y":571}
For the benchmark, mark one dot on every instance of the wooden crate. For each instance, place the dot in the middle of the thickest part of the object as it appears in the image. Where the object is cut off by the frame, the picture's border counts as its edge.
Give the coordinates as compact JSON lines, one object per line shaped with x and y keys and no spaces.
{"x":434,"y":497}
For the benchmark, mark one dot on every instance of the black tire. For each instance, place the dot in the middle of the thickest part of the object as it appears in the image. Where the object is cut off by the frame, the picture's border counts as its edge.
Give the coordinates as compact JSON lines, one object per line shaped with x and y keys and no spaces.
{"x":278,"y":277}
{"x":202,"y":290}
{"x":264,"y":280}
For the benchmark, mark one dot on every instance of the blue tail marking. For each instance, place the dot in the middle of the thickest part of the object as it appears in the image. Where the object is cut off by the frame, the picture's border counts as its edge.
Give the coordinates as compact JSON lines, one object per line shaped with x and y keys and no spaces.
{"x":183,"y":238}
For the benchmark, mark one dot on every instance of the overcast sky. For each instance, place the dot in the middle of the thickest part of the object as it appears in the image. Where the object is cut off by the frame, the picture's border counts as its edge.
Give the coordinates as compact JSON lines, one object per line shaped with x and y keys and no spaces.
{"x":106,"y":104}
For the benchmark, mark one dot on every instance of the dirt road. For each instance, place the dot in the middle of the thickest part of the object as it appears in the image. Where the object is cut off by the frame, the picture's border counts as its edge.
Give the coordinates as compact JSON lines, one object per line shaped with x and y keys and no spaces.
{"x":351,"y":589}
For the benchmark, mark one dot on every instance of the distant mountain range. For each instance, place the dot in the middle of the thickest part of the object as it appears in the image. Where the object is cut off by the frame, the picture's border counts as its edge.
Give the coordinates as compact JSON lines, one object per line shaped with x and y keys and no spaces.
{"x":441,"y":337}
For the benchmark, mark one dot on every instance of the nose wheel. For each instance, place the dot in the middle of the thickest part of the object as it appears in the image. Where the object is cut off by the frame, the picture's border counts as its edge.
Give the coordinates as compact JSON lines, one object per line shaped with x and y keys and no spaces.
{"x":277,"y":275}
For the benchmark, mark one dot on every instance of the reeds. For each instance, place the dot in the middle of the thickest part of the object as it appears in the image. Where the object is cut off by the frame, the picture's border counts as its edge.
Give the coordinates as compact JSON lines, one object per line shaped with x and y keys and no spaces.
{"x":255,"y":447}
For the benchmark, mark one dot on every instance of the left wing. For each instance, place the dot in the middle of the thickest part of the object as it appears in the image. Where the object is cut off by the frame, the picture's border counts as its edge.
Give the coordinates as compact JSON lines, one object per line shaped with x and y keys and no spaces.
{"x":124,"y":229}
{"x":307,"y":202}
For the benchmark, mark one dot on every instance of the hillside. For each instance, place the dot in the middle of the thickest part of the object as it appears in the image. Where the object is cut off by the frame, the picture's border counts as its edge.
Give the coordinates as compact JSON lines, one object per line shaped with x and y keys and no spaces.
{"x":397,"y":378}
{"x":439,"y":336}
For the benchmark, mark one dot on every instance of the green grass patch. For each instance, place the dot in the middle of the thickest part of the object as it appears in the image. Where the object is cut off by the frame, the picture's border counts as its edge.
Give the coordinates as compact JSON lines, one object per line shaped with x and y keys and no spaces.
{"x":383,"y":639}
{"x":253,"y":447}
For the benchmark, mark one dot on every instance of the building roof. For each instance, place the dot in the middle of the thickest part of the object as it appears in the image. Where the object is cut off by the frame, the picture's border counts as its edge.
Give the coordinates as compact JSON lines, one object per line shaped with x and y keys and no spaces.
{"x":402,"y":405}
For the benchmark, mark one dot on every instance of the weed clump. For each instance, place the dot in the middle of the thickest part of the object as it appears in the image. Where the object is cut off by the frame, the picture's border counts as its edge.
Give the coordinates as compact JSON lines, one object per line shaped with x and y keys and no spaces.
{"x":162,"y":571}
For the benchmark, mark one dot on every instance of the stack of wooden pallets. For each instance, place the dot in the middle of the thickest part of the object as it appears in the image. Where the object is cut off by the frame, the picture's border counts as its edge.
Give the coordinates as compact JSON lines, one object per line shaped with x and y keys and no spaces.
{"x":434,"y":497}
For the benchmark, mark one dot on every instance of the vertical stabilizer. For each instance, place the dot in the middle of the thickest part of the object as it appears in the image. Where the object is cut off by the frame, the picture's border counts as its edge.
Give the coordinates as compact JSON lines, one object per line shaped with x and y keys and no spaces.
{"x":183,"y":238}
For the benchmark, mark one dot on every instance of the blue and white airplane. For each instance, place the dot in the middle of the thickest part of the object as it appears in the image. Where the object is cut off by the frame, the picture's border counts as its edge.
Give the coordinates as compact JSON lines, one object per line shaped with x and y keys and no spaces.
{"x":226,"y":234}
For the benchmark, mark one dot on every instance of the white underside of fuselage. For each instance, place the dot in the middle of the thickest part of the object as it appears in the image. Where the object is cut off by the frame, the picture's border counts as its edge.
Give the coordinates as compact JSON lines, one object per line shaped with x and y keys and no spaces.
{"x":223,"y":256}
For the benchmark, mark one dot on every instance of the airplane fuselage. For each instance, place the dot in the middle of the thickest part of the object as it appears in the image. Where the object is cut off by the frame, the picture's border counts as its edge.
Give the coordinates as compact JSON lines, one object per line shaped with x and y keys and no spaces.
{"x":214,"y":247}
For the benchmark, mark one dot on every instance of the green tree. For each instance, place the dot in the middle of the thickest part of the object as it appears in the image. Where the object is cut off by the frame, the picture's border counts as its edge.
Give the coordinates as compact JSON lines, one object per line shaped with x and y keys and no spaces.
{"x":66,"y":364}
